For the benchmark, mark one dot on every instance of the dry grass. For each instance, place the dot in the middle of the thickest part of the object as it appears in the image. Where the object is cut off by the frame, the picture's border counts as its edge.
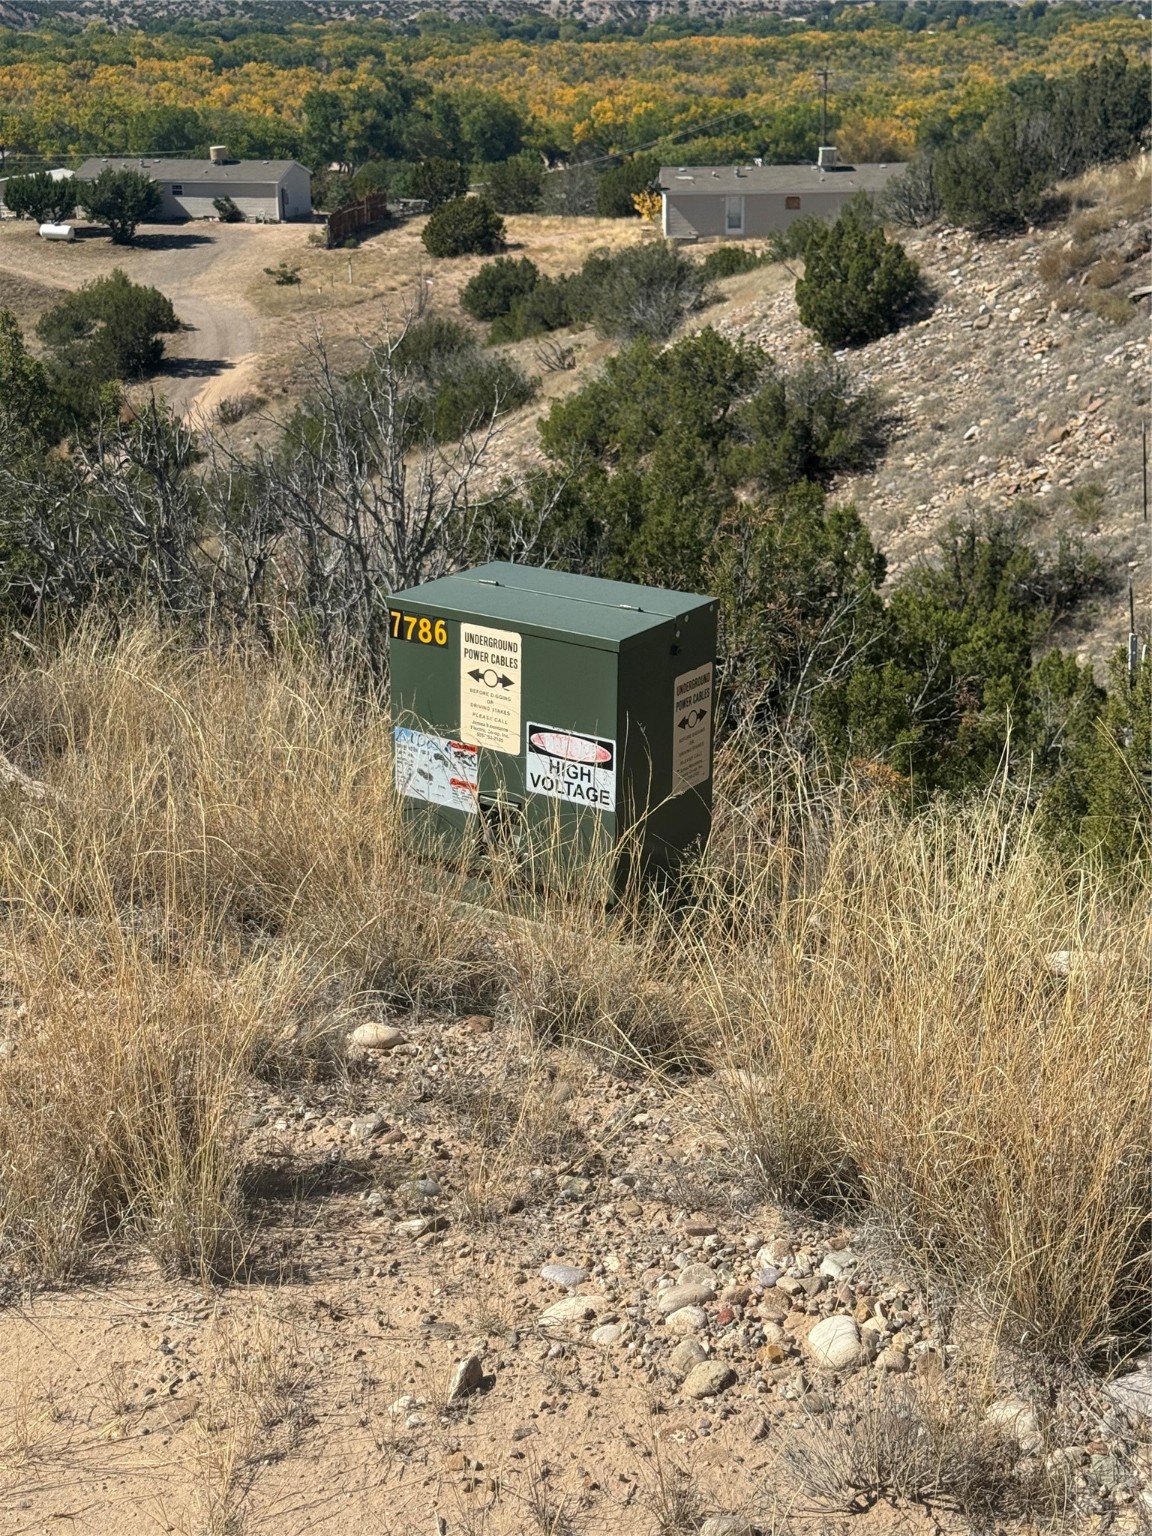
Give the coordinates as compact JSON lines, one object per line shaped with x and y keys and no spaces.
{"x":916,"y":1443}
{"x":223,"y":878}
{"x":1095,"y":250}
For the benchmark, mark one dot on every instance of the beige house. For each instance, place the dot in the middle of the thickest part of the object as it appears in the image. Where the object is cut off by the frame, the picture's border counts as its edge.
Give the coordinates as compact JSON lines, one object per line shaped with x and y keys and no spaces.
{"x":267,"y":191}
{"x":747,"y":202}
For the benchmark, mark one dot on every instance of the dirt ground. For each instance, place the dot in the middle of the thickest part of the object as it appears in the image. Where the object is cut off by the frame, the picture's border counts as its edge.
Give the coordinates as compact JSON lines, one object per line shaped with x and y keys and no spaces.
{"x":244,"y":333}
{"x":315,"y":1396}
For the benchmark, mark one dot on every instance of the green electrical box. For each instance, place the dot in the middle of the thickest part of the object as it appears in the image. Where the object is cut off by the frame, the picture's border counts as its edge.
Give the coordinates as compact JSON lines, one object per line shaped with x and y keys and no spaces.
{"x":530,"y":703}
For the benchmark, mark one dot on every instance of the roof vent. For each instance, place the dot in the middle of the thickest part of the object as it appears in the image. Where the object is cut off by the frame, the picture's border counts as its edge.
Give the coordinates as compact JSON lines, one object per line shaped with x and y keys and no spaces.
{"x":827,"y":156}
{"x":218,"y":154}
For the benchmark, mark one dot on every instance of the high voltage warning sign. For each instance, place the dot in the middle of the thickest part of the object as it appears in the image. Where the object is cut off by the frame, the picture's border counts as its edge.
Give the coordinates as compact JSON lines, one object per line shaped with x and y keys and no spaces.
{"x":692,"y":729}
{"x":490,"y":687}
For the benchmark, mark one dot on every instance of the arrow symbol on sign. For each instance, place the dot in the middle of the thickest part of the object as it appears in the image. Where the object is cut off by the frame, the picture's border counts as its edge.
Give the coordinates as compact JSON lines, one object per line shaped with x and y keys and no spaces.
{"x":491,"y":678}
{"x":693,"y":717}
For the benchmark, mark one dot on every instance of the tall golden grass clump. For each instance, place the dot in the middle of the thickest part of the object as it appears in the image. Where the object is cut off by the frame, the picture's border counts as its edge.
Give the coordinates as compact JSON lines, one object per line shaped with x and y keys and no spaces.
{"x":221,"y":877}
{"x":893,"y":1005}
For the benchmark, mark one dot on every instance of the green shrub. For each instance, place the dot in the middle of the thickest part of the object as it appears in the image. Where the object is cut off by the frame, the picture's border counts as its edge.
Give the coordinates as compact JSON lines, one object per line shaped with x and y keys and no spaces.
{"x":791,"y":244}
{"x":494,"y":289}
{"x":227,"y":211}
{"x":41,"y":198}
{"x":729,"y":261}
{"x":465,"y":226}
{"x":283,"y":275}
{"x":533,"y":314}
{"x":857,"y":285}
{"x":515,"y":185}
{"x":451,"y":384}
{"x":643,"y":291}
{"x":110,"y":328}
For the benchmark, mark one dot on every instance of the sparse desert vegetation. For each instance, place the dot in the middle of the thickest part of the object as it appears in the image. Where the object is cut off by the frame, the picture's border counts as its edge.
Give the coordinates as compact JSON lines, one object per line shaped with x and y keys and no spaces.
{"x":349,"y":1184}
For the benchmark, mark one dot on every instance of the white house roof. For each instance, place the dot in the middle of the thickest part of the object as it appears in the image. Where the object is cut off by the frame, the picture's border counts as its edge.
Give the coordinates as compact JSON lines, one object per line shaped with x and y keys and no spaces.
{"x":187,"y":172}
{"x":708,"y":180}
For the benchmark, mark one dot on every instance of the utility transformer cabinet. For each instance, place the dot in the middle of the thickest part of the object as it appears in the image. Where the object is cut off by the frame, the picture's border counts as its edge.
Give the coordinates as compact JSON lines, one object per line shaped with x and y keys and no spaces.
{"x":537,"y":707}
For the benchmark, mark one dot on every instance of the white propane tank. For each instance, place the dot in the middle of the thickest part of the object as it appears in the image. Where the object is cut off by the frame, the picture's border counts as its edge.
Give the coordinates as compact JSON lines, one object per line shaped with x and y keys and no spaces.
{"x":57,"y":232}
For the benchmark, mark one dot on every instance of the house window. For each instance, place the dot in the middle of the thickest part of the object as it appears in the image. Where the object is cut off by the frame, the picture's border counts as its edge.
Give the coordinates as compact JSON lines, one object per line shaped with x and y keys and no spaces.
{"x":177,"y":189}
{"x":734,"y":215}
{"x":792,"y":202}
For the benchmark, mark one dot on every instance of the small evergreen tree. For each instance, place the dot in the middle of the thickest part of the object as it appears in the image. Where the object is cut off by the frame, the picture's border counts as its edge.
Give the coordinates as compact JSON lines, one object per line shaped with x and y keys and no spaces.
{"x":121,"y":199}
{"x":494,"y":289}
{"x":465,"y":226}
{"x":857,"y":285}
{"x":41,"y":198}
{"x":110,"y":328}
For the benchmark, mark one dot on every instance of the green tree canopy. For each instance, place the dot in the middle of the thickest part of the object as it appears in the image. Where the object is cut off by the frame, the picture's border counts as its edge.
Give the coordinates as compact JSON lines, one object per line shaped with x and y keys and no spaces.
{"x":857,"y":284}
{"x":110,"y":328}
{"x":463,"y":227}
{"x":41,"y":198}
{"x":121,"y":199}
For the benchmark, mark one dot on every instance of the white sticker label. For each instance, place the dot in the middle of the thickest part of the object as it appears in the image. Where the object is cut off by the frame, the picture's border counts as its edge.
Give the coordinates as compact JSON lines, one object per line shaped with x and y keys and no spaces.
{"x":692,"y":729}
{"x":435,"y":769}
{"x":567,"y":765}
{"x":490,"y":687}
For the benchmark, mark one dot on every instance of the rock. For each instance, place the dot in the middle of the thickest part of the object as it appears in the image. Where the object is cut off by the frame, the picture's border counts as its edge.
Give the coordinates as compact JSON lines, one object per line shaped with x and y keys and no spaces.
{"x":1018,"y":1417}
{"x":421,"y":1226}
{"x":736,"y":1295}
{"x":834,"y":1344}
{"x":699,"y":1226}
{"x":377,"y":1037}
{"x":1133,"y":1393}
{"x":1106,"y":1471}
{"x":421,"y":1189}
{"x":467,"y":1376}
{"x":688,"y":1353}
{"x":366,"y":1126}
{"x":690,"y":1295}
{"x":607,"y":1334}
{"x":566,"y":1275}
{"x":686,"y":1320}
{"x":727,"y":1525}
{"x":697,"y":1274}
{"x":573,"y":1309}
{"x":632,"y":1209}
{"x":477,"y":1023}
{"x":982,"y":322}
{"x":709,"y":1379}
{"x":790,"y":1285}
{"x":403,"y":1404}
{"x":834,"y":1265}
{"x":894,"y":1360}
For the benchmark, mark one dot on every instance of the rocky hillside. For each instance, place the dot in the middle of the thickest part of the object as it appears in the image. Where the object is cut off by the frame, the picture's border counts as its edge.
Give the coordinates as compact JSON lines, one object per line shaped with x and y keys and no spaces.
{"x":1030,"y":379}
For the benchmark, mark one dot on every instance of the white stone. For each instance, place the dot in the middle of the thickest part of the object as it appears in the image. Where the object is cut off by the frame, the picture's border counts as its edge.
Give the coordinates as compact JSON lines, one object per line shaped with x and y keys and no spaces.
{"x":1133,"y":1393}
{"x":834,"y":1344}
{"x":566,"y":1275}
{"x":607,"y":1334}
{"x":1018,"y":1417}
{"x":573,"y":1309}
{"x":377,"y":1037}
{"x":677,"y":1296}
{"x":686,"y":1320}
{"x":726,"y":1525}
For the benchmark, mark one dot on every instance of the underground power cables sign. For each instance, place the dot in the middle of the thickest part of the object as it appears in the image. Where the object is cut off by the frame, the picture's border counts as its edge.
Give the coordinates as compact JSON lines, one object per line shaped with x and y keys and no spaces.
{"x":490,"y":687}
{"x":567,"y":765}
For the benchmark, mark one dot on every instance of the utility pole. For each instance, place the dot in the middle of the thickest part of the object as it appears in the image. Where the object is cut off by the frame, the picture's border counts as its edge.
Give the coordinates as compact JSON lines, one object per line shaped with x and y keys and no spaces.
{"x":823,"y":73}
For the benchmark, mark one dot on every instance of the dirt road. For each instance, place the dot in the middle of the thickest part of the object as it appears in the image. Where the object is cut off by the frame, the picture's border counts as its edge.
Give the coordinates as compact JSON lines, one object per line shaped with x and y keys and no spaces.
{"x":205,"y":269}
